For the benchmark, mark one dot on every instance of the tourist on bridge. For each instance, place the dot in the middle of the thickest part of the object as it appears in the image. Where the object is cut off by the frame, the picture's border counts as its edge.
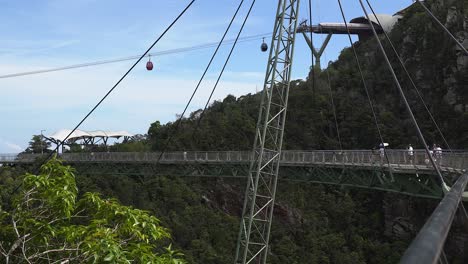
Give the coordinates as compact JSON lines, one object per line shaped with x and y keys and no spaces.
{"x":438,"y":154}
{"x":382,"y":151}
{"x":433,"y":152}
{"x":410,"y":153}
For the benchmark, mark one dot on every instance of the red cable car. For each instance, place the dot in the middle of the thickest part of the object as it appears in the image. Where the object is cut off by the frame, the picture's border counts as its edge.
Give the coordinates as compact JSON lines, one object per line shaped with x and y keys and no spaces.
{"x":149,"y":64}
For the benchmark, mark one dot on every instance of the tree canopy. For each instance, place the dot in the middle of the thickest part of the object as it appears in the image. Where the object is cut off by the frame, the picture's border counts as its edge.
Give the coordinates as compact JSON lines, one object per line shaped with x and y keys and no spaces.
{"x":48,"y":223}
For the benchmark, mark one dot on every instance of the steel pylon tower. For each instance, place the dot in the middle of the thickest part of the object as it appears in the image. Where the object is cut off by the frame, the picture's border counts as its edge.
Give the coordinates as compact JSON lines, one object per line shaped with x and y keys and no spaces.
{"x":254,"y":233}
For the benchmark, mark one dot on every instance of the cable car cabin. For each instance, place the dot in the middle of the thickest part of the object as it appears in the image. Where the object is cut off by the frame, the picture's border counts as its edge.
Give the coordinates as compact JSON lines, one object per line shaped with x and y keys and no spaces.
{"x":264,"y":46}
{"x":149,"y":66}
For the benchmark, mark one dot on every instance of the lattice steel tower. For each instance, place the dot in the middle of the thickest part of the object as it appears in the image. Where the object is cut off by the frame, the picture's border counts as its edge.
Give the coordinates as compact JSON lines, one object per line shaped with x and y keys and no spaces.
{"x":254,"y":233}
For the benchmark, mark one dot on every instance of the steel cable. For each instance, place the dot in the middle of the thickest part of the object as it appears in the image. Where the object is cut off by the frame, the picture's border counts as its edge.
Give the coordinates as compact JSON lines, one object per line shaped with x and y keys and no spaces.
{"x":443,"y":27}
{"x":36,"y":170}
{"x":225,"y":63}
{"x":364,"y":82}
{"x":179,"y":120}
{"x":403,"y":96}
{"x":160,"y":53}
{"x":311,"y":52}
{"x":334,"y":108}
{"x":411,"y":79}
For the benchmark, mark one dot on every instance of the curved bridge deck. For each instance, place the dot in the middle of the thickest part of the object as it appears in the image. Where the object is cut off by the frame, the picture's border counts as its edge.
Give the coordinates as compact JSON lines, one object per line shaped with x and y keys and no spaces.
{"x":399,"y":161}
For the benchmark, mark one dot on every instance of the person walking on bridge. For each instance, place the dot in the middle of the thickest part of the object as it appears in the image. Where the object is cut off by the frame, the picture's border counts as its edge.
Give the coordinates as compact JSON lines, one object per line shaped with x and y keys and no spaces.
{"x":438,"y":154}
{"x":410,"y":153}
{"x":382,"y":152}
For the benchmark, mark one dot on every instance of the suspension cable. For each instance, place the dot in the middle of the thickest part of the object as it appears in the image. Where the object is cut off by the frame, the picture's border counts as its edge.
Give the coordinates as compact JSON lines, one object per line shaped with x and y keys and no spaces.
{"x":159,"y":53}
{"x":411,"y":79}
{"x":110,"y":91}
{"x":397,"y":83}
{"x":333,"y":107}
{"x":312,"y":53}
{"x":374,"y":115}
{"x":122,"y":78}
{"x":225,"y":63}
{"x":443,"y":27}
{"x":179,"y":121}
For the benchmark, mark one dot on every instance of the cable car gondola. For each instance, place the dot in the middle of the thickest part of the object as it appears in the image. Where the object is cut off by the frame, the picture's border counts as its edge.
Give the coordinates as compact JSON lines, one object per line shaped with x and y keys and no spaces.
{"x":264,"y":46}
{"x":149,"y":64}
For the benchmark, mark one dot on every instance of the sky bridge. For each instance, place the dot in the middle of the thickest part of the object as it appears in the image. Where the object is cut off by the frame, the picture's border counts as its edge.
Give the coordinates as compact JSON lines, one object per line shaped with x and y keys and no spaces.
{"x":420,"y":173}
{"x":396,"y":172}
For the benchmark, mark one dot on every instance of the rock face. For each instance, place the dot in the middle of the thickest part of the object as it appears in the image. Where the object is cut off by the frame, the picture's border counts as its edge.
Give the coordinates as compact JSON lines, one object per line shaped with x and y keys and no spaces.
{"x":405,"y":216}
{"x":439,"y":64}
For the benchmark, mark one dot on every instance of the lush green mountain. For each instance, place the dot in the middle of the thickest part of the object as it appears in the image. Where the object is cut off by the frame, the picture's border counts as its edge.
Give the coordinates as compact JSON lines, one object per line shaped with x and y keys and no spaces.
{"x":432,"y":58}
{"x":338,"y":226}
{"x":313,"y":223}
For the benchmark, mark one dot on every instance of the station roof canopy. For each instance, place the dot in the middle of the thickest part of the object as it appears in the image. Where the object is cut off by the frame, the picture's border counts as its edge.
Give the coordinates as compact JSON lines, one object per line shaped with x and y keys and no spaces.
{"x":60,"y":135}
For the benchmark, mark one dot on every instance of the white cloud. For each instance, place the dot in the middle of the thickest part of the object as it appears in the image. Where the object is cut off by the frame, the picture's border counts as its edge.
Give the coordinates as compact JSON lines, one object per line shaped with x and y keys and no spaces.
{"x":60,"y":99}
{"x":9,"y":147}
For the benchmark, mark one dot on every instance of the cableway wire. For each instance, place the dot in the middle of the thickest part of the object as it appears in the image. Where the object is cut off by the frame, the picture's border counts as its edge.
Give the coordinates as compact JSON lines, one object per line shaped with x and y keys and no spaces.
{"x":155,"y":54}
{"x":374,"y":115}
{"x":179,"y":120}
{"x":403,"y":96}
{"x":411,"y":79}
{"x":225,"y":63}
{"x":111,"y":90}
{"x":443,"y":26}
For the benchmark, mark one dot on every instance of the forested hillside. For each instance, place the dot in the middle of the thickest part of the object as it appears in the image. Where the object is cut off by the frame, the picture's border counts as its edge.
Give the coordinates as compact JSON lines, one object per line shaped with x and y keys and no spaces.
{"x":312,"y":223}
{"x":319,"y":224}
{"x":436,"y":64}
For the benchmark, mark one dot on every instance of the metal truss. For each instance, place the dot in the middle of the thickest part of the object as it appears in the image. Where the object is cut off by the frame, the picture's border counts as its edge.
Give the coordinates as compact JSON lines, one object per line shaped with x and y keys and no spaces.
{"x":254,"y":233}
{"x":417,"y":184}
{"x":422,"y":183}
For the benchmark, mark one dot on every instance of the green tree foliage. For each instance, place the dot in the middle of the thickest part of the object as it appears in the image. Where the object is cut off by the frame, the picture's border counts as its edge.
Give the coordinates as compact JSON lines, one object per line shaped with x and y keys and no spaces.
{"x":38,"y":145}
{"x":49,"y":224}
{"x":427,"y":52}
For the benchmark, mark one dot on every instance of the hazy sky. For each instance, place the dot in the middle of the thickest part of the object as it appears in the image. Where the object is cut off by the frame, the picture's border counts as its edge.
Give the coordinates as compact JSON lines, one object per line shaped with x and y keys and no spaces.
{"x":54,"y":33}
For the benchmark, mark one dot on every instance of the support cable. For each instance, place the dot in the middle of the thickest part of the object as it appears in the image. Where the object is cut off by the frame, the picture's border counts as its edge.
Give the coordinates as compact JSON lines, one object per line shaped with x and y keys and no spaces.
{"x":334,"y":108}
{"x":429,"y":243}
{"x":408,"y":107}
{"x":225,"y":64}
{"x":119,"y":81}
{"x":179,"y":121}
{"x":461,"y":207}
{"x":374,"y":115}
{"x":111,"y":90}
{"x":312,"y":53}
{"x":411,"y":80}
{"x":443,"y":27}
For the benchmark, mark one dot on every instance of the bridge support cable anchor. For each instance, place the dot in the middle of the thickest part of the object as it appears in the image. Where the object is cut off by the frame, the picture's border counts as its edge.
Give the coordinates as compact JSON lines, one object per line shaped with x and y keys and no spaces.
{"x":403,"y":96}
{"x":428,"y":245}
{"x":255,"y":226}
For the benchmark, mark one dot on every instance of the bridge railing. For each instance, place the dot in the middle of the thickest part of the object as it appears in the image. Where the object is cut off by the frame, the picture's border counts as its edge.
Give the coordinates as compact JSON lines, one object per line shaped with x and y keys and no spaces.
{"x":396,"y":158}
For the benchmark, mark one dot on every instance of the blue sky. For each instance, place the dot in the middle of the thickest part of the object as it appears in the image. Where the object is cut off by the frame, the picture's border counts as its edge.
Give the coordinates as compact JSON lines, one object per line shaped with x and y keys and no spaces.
{"x":54,"y":33}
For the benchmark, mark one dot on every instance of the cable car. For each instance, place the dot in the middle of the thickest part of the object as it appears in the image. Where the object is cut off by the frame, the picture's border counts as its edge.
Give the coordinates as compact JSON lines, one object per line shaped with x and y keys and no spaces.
{"x":264,"y":46}
{"x":149,"y":64}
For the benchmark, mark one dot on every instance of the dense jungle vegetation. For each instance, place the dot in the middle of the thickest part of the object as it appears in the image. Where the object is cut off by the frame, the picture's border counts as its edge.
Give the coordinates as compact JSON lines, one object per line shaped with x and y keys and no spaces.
{"x":313,"y":223}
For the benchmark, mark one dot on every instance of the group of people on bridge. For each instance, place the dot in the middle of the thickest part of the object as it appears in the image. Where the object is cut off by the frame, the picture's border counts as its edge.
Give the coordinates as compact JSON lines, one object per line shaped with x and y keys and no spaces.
{"x":435,"y":152}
